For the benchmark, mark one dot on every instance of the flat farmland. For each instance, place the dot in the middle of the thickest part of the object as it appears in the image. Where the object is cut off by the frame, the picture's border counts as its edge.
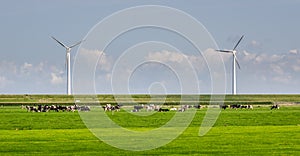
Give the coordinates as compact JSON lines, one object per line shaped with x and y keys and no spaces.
{"x":260,"y":131}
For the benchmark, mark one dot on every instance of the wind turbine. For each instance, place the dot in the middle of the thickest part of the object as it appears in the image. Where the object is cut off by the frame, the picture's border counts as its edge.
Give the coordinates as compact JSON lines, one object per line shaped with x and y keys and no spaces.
{"x":68,"y":62}
{"x":234,"y":61}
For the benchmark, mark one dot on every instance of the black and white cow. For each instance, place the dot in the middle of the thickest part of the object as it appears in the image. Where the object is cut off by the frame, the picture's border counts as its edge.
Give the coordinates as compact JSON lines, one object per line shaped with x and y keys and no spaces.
{"x":275,"y":107}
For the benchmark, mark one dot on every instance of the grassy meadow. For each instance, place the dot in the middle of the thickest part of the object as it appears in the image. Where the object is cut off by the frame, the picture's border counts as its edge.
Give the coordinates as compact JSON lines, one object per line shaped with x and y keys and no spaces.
{"x":260,"y":131}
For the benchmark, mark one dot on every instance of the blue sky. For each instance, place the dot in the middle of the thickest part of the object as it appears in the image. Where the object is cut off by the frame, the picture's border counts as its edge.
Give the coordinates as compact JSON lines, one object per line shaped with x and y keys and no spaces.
{"x":31,"y":62}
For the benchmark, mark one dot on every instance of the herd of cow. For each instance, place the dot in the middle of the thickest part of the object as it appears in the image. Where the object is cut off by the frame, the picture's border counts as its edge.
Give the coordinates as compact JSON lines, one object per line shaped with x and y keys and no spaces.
{"x":149,"y":107}
{"x":236,"y":106}
{"x":152,"y":107}
{"x":137,"y":108}
{"x":55,"y":108}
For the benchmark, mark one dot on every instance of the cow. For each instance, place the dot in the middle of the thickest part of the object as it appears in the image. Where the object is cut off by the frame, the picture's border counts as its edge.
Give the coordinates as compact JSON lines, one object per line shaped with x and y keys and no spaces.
{"x":244,"y":106}
{"x":197,"y":106}
{"x":116,"y":108}
{"x":72,"y":108}
{"x":163,"y":110}
{"x":84,"y":108}
{"x":137,"y":108}
{"x":110,"y":107}
{"x":31,"y":108}
{"x":235,"y":106}
{"x":275,"y":107}
{"x":107,"y":107}
{"x":223,"y":106}
{"x":149,"y":107}
{"x":54,"y":108}
{"x":173,"y":109}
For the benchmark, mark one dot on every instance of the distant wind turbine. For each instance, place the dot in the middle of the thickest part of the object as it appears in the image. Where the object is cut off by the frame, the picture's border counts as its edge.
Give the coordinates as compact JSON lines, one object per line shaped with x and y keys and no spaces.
{"x":234,"y":61}
{"x":68,"y":62}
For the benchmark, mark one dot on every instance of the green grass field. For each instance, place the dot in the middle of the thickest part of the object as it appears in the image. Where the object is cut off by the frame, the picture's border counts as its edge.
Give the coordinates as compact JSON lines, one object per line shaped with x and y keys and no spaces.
{"x":236,"y":132}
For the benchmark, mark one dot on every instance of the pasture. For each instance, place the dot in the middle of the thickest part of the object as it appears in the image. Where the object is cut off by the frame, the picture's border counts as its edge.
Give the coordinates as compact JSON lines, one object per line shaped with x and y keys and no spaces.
{"x":260,"y":131}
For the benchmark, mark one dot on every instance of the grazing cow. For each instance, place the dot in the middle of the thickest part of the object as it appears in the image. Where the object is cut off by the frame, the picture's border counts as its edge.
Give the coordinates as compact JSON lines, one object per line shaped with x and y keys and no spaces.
{"x":137,"y":108}
{"x":72,"y":108}
{"x":163,"y":110}
{"x":244,"y":106}
{"x":39,"y":108}
{"x":150,"y":107}
{"x":57,"y":108}
{"x":156,"y":107}
{"x":173,"y":109}
{"x":183,"y":108}
{"x":115,"y":108}
{"x":109,"y":107}
{"x":54,"y":108}
{"x":134,"y":110}
{"x":63,"y":108}
{"x":31,"y":108}
{"x":197,"y":106}
{"x":223,"y":106}
{"x":27,"y":108}
{"x":84,"y":108}
{"x":235,"y":106}
{"x":275,"y":107}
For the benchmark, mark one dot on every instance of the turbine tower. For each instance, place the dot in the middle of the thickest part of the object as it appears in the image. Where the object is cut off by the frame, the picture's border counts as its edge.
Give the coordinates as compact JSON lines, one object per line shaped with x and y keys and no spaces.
{"x":234,"y":61}
{"x":68,"y":62}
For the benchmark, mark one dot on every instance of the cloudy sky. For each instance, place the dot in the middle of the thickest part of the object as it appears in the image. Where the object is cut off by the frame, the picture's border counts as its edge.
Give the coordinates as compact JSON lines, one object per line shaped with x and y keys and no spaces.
{"x":269,"y":55}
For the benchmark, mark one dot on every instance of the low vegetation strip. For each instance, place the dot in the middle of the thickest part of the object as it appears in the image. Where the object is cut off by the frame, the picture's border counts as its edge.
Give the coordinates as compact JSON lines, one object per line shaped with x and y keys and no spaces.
{"x":169,"y":99}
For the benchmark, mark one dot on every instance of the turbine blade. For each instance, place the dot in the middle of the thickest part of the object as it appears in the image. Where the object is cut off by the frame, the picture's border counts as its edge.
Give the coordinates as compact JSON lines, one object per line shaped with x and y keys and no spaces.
{"x":59,"y":42}
{"x":238,"y":43}
{"x":76,"y":44}
{"x":224,"y":51}
{"x":236,"y":60}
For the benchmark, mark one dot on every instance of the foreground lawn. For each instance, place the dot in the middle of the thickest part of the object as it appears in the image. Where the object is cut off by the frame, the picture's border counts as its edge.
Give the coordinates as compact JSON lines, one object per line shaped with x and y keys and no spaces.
{"x":236,"y":132}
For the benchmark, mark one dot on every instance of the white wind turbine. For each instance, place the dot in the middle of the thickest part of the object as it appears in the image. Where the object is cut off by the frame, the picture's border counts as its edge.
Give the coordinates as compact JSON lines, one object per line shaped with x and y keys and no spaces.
{"x":68,"y":62}
{"x":234,"y":61}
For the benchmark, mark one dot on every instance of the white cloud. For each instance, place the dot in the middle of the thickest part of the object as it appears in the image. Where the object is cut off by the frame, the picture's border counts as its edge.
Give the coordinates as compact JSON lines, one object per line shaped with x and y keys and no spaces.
{"x":296,"y":68}
{"x":261,"y":58}
{"x":293,"y":51}
{"x":40,"y":67}
{"x":26,"y":68}
{"x":209,"y":58}
{"x":248,"y":56}
{"x":27,"y":76}
{"x":255,"y":43}
{"x":55,"y":69}
{"x":277,"y":69}
{"x":280,"y":68}
{"x":56,"y":79}
{"x":166,"y":56}
{"x":91,"y":57}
